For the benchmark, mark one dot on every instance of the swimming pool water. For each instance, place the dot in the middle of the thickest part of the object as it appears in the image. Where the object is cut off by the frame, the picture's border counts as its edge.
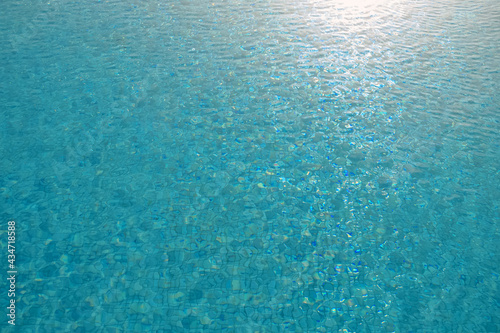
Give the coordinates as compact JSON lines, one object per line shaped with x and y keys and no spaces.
{"x":263,"y":166}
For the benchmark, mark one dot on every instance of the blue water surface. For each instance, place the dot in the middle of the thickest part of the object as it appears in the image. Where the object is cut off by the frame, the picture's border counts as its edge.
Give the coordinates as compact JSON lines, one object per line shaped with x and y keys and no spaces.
{"x":251,"y":166}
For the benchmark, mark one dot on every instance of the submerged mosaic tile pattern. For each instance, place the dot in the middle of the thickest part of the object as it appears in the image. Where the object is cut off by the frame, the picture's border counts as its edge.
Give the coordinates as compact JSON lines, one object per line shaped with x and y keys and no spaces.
{"x":252,"y":167}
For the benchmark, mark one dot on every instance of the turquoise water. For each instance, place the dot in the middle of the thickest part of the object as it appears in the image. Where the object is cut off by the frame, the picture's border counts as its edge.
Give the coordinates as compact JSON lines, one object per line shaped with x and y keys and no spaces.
{"x":267,"y":166}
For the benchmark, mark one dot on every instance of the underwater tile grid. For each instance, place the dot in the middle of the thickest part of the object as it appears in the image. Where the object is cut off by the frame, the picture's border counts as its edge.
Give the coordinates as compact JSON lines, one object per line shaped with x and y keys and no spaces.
{"x":261,"y":166}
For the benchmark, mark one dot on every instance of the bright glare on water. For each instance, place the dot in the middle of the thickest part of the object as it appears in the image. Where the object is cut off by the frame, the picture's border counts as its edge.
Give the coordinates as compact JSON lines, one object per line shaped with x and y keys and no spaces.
{"x":251,"y":166}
